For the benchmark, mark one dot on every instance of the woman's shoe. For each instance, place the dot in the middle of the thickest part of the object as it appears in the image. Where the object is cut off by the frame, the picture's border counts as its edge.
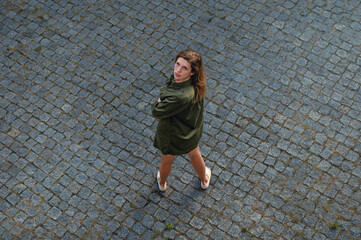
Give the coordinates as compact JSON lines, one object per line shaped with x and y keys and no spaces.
{"x":162,"y":189}
{"x":208,"y":174}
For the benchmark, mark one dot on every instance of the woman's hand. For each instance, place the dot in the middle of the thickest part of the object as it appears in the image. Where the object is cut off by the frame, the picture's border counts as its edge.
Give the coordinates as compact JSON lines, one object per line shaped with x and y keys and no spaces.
{"x":159,"y":100}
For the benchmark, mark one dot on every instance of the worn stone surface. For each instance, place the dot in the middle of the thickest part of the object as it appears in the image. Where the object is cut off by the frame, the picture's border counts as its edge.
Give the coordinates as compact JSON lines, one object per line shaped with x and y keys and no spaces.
{"x":282,"y":121}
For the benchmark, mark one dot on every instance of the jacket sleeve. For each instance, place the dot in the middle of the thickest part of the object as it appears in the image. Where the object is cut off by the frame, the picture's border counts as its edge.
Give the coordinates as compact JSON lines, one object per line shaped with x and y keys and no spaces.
{"x":169,"y":106}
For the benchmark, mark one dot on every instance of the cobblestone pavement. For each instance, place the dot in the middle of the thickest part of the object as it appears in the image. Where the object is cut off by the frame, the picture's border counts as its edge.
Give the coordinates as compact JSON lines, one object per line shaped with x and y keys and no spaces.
{"x":282,"y":121}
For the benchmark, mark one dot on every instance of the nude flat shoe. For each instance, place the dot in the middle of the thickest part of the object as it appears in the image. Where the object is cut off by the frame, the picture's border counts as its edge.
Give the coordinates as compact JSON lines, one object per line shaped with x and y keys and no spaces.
{"x":162,"y":189}
{"x":208,"y":174}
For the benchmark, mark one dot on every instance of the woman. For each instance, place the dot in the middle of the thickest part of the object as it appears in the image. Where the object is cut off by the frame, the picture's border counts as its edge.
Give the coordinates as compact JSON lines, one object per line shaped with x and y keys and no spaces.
{"x":179,"y":110}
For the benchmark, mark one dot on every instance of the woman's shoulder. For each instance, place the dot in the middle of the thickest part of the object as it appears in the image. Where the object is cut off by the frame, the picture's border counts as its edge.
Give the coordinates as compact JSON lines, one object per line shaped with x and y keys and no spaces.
{"x":179,"y":93}
{"x":188,"y":92}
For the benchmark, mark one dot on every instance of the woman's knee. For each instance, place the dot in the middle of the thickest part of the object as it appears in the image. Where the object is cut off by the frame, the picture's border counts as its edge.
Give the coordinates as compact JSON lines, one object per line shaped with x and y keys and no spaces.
{"x":195,"y":152}
{"x":167,"y":159}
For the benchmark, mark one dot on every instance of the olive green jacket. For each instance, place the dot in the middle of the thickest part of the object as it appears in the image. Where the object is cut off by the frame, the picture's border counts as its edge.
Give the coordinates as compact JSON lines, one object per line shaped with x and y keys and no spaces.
{"x":180,"y":118}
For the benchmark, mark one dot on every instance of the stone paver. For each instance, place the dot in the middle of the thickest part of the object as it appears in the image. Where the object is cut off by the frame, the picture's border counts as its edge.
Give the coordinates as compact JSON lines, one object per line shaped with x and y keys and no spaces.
{"x":282,"y":122}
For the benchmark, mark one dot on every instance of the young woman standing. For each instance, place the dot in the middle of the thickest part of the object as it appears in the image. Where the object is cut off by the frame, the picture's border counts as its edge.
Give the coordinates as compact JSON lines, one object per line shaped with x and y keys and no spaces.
{"x":179,"y":110}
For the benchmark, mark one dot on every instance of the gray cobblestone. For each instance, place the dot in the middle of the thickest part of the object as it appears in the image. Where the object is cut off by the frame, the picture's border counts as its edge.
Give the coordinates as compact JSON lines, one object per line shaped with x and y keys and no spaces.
{"x":281,"y":130}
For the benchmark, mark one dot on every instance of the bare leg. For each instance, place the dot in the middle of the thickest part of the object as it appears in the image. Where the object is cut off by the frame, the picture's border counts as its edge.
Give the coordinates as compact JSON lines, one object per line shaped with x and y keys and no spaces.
{"x":165,"y":168}
{"x":198,"y":164}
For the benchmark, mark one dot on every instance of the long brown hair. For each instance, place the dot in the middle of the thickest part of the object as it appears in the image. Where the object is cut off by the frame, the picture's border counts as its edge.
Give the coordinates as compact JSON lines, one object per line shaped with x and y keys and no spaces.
{"x":199,"y":78}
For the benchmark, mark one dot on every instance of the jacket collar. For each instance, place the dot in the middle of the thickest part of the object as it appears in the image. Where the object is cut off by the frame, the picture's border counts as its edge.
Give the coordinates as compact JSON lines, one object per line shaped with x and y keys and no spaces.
{"x":171,"y":82}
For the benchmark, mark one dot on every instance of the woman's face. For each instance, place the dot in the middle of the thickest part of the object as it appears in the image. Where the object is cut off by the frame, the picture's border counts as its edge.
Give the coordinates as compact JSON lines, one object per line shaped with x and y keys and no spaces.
{"x":182,"y":70}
